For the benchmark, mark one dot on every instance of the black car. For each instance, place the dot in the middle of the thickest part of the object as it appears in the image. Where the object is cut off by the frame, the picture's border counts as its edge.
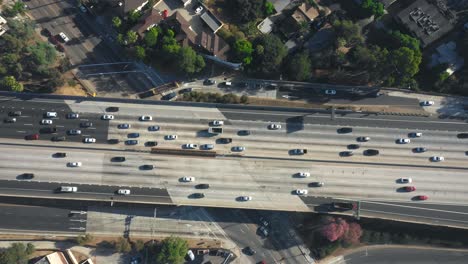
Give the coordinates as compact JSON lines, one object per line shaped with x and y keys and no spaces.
{"x":133,"y":135}
{"x":112,"y":109}
{"x":113,"y":141}
{"x":185,"y":90}
{"x":225,"y":140}
{"x":118,"y":159}
{"x":86,"y":124}
{"x":462,"y":135}
{"x":131,"y":142}
{"x":27,"y":175}
{"x":147,"y":167}
{"x":72,"y":116}
{"x":151,"y":143}
{"x":48,"y":130}
{"x":419,"y":149}
{"x":342,"y":206}
{"x":345,"y":130}
{"x":249,"y":251}
{"x":169,"y":96}
{"x":371,"y":152}
{"x":243,"y":132}
{"x":60,"y":155}
{"x":346,"y":153}
{"x":202,"y":186}
{"x":353,"y":146}
{"x":14,"y":113}
{"x":197,"y":195}
{"x":209,"y":82}
{"x":58,"y":138}
{"x":10,"y":120}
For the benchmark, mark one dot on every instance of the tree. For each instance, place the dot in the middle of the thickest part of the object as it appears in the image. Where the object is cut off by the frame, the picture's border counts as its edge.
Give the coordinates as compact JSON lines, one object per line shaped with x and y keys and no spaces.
{"x":348,"y":31}
{"x":173,"y":250}
{"x":83,"y":240}
{"x":116,"y":22}
{"x":335,"y":229}
{"x":299,"y":67}
{"x":10,"y":83}
{"x":131,"y":37}
{"x":17,"y":8}
{"x":140,"y":52}
{"x":354,"y":233}
{"x":139,"y":245}
{"x":244,"y":99}
{"x":120,"y":39}
{"x":189,"y":61}
{"x":17,"y":253}
{"x":269,"y":8}
{"x":42,"y":54}
{"x":122,"y":245}
{"x":247,"y":10}
{"x":373,"y":7}
{"x":151,"y":37}
{"x":169,"y":43}
{"x":270,"y":55}
{"x":133,"y":16}
{"x":243,"y":51}
{"x":405,"y":62}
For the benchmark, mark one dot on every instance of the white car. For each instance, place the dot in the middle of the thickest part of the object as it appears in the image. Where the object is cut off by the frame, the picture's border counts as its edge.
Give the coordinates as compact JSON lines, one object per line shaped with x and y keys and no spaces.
{"x":301,"y":191}
{"x":171,"y":137}
{"x":64,"y":37}
{"x":274,"y":126}
{"x":218,"y":123}
{"x":330,"y":92}
{"x":304,"y":174}
{"x":198,"y":10}
{"x":405,"y":180}
{"x":46,"y":122}
{"x":51,"y":114}
{"x":74,"y":132}
{"x":123,"y":192}
{"x":146,"y":118}
{"x":416,"y":134}
{"x":427,"y":103}
{"x":74,"y":164}
{"x":107,"y":117}
{"x":188,"y":179}
{"x":437,"y":158}
{"x":190,"y":146}
{"x":245,"y":198}
{"x":89,"y":140}
{"x":403,"y":140}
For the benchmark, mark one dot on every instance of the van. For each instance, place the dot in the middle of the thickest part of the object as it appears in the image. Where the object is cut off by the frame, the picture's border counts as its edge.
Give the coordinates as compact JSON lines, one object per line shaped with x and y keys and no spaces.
{"x":68,"y":189}
{"x":227,"y":83}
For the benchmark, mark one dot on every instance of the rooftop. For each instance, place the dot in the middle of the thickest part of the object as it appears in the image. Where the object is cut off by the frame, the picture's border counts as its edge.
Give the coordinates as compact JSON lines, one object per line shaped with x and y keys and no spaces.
{"x":305,"y":13}
{"x":147,"y":21}
{"x":426,"y":21}
{"x":211,"y":21}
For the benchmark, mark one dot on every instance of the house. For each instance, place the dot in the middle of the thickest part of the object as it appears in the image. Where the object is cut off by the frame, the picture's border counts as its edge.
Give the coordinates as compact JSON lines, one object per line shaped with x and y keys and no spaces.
{"x":305,"y":13}
{"x":147,"y":21}
{"x":3,"y":26}
{"x":53,"y":258}
{"x":280,"y":4}
{"x":427,"y":21}
{"x":447,"y":54}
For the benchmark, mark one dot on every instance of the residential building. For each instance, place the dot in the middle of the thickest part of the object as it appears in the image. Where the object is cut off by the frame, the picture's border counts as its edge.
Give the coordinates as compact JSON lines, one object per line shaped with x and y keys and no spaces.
{"x":123,"y":7}
{"x":211,"y":21}
{"x":280,"y":4}
{"x":3,"y":26}
{"x":427,"y":21}
{"x":301,"y":17}
{"x":147,"y":21}
{"x":53,"y":258}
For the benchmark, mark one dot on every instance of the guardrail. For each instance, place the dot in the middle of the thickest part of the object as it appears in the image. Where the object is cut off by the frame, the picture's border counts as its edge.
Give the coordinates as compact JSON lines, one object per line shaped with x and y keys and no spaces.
{"x":184,"y":152}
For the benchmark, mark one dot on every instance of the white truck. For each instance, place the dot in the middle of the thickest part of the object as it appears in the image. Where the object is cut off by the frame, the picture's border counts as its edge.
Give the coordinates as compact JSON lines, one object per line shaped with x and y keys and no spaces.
{"x":215,"y":130}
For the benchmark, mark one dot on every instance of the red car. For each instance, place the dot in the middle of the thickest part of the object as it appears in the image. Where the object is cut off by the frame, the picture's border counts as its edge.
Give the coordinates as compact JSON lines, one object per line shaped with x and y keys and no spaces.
{"x":422,"y":197}
{"x":410,"y":188}
{"x":32,"y":137}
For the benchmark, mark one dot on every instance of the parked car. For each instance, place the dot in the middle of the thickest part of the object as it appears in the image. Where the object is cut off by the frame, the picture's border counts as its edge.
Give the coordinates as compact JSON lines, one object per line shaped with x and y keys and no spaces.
{"x":249,"y":251}
{"x":83,"y":9}
{"x":64,"y":37}
{"x":169,"y":96}
{"x":199,"y":9}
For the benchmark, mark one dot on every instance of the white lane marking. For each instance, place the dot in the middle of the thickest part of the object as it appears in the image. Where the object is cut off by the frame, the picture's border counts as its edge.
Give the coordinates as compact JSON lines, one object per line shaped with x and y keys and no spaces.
{"x":28,"y":124}
{"x":59,"y":126}
{"x":84,"y":119}
{"x":21,"y":131}
{"x":91,"y":128}
{"x":356,"y":118}
{"x":85,"y":135}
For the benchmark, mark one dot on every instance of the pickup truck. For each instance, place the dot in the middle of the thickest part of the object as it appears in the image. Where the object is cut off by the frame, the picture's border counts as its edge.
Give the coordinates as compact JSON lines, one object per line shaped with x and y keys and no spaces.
{"x":215,"y":130}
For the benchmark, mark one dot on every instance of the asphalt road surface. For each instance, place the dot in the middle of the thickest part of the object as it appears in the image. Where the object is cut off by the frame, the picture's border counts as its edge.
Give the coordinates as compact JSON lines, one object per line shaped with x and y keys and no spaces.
{"x":265,"y":171}
{"x":406,"y":255}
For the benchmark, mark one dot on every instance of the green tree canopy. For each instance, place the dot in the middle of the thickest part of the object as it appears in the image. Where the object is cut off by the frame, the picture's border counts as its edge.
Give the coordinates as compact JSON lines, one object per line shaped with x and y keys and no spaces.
{"x":116,"y":22}
{"x":189,"y":61}
{"x":373,"y":7}
{"x":42,"y":54}
{"x":299,"y":66}
{"x":268,"y":58}
{"x":151,"y":37}
{"x":247,"y":10}
{"x":405,"y":62}
{"x":122,"y":245}
{"x":269,"y":8}
{"x":243,"y":51}
{"x":133,"y":16}
{"x":17,"y":253}
{"x":169,"y":43}
{"x":348,"y":31}
{"x":131,"y":37}
{"x":173,"y":251}
{"x":140,"y":52}
{"x":10,"y":83}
